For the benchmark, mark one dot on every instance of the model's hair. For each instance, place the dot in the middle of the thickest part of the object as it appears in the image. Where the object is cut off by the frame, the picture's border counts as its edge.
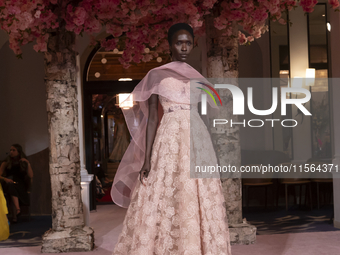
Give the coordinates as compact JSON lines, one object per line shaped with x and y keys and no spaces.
{"x":21,"y":154}
{"x":179,"y":26}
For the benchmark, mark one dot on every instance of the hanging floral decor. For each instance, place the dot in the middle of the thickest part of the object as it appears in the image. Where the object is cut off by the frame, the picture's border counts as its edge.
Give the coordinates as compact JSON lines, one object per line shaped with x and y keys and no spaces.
{"x":137,"y":26}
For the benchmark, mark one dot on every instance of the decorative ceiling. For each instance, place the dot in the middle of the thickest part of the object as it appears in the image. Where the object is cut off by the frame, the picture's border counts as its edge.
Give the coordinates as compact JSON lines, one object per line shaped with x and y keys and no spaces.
{"x":105,"y":66}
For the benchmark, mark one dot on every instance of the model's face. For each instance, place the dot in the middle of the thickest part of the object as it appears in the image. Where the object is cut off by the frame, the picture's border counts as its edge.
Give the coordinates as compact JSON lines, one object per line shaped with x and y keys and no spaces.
{"x":182,"y":44}
{"x":13,"y":152}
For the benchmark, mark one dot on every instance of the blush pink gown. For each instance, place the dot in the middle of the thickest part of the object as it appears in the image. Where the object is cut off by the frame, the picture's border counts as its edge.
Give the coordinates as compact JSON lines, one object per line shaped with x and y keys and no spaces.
{"x":175,"y":214}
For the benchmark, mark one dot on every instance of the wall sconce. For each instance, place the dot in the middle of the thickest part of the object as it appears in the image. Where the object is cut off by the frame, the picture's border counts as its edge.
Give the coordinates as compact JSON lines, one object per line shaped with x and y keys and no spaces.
{"x":124,"y":79}
{"x":125,"y":101}
{"x":310,"y":76}
{"x":329,"y":27}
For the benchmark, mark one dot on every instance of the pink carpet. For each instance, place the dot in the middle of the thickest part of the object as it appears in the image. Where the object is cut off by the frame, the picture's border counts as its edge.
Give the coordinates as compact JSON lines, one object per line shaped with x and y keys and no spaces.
{"x":107,"y":223}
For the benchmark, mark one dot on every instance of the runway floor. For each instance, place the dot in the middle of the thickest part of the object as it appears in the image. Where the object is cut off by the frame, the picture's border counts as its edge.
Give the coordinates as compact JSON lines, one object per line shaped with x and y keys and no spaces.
{"x":107,"y":223}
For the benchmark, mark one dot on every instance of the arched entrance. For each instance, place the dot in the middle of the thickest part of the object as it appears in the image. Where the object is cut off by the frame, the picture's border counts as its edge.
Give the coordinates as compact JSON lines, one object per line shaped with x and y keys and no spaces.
{"x":102,"y":82}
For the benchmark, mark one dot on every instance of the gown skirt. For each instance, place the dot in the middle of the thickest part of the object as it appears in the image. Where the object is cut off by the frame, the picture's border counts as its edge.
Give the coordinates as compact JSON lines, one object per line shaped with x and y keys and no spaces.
{"x":175,"y":214}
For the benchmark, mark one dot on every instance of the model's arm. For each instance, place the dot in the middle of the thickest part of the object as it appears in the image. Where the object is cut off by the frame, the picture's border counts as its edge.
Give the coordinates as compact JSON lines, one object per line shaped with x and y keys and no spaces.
{"x":2,"y":170}
{"x":29,"y":168}
{"x":150,"y":134}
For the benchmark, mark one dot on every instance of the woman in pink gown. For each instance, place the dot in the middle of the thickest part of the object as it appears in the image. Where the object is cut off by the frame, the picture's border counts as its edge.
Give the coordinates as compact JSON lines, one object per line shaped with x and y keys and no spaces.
{"x":170,"y":213}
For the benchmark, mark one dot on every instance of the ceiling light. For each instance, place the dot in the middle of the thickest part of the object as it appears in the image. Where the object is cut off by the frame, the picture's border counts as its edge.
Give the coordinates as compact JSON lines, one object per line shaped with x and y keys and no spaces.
{"x":159,"y":59}
{"x":328,"y":26}
{"x":104,"y":60}
{"x":97,"y":74}
{"x":124,"y":79}
{"x":125,"y":101}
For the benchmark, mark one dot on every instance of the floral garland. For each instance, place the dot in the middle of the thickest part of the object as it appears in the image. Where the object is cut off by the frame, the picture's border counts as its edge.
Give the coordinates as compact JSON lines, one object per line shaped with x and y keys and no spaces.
{"x":138,"y":25}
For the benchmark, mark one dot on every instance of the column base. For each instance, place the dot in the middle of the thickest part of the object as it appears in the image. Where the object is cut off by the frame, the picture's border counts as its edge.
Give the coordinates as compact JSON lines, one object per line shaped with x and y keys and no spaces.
{"x":242,"y":233}
{"x":69,"y":240}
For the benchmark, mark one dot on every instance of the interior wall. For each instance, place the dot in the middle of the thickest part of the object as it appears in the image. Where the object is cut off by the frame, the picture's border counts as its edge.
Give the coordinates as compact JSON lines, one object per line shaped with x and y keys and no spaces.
{"x":22,"y":100}
{"x":254,"y":62}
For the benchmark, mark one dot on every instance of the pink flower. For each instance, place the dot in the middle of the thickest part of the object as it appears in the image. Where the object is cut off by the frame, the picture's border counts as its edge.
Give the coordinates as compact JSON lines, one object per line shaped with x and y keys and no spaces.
{"x":282,"y":21}
{"x":334,"y":3}
{"x":41,"y":47}
{"x":229,"y":31}
{"x":147,"y":57}
{"x":115,"y":30}
{"x":235,"y":5}
{"x":12,"y":9}
{"x":92,"y":25}
{"x":242,"y":38}
{"x":260,"y":14}
{"x":248,"y":6}
{"x":308,"y":5}
{"x":250,"y":38}
{"x":79,"y":16}
{"x":208,"y":3}
{"x":109,"y":44}
{"x":106,"y":9}
{"x":37,"y":14}
{"x":219,"y":23}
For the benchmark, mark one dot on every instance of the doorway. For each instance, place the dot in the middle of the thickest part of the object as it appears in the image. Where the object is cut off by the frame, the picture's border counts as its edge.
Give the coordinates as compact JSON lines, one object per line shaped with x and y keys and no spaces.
{"x":104,"y":79}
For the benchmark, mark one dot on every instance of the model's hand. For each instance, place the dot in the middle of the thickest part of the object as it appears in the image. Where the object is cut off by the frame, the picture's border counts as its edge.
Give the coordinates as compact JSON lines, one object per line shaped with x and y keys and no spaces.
{"x":25,"y":160}
{"x":8,"y":180}
{"x":144,"y":173}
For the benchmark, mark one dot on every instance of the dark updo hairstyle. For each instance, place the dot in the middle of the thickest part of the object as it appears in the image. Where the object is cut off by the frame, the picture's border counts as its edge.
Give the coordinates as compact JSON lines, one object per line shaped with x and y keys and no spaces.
{"x":176,"y":27}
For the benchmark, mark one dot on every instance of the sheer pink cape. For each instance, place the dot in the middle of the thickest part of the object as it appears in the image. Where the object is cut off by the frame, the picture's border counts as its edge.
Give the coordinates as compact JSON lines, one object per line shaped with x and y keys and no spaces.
{"x":136,"y":118}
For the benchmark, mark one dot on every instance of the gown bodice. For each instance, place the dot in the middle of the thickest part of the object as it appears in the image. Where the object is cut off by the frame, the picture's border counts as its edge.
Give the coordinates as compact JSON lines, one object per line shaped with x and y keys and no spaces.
{"x":180,"y":95}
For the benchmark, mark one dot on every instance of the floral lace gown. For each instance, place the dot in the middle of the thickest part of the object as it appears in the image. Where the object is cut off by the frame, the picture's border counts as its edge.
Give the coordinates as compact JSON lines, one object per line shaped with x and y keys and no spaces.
{"x":175,"y":214}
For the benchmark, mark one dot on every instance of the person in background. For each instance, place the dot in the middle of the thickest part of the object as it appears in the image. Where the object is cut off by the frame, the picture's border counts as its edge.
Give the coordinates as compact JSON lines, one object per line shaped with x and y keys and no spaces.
{"x":121,"y":138}
{"x":4,"y":227}
{"x":16,"y":174}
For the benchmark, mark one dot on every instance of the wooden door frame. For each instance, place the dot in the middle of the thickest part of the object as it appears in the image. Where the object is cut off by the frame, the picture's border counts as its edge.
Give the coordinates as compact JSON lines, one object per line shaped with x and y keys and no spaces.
{"x":90,"y":88}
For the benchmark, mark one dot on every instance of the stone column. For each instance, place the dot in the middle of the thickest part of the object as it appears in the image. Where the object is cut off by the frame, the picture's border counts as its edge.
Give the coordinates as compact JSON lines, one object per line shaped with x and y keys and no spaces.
{"x":68,"y":232}
{"x":222,"y":62}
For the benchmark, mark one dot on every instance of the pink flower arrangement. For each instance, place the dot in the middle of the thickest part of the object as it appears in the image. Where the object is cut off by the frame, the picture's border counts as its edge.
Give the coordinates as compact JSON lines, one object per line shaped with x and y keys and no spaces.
{"x":137,"y":24}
